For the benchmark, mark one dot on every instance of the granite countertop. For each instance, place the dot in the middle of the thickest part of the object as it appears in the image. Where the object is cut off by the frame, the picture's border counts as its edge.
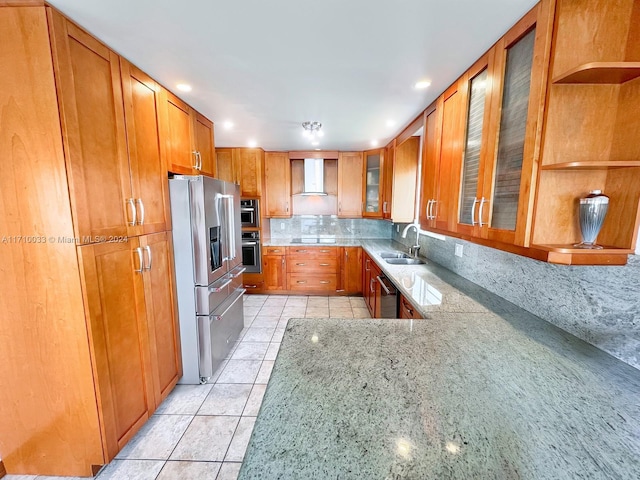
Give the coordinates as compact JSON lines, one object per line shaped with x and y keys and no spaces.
{"x":480,"y":390}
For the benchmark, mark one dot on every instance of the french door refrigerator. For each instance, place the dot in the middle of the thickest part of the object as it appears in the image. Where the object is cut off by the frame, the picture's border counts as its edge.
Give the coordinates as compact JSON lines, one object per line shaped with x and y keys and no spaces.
{"x":207,"y":244}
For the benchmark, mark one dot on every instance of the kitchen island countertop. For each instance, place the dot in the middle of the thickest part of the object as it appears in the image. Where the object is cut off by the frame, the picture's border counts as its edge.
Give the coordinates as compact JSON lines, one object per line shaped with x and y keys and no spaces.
{"x":481,"y":389}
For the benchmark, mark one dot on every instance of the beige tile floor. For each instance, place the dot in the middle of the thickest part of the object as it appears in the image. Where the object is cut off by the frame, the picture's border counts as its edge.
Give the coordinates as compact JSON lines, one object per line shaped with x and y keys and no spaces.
{"x":201,"y":432}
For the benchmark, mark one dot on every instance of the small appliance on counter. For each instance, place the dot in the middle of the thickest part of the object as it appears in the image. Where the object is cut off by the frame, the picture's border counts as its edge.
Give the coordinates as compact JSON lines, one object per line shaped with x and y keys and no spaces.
{"x":208,"y":262}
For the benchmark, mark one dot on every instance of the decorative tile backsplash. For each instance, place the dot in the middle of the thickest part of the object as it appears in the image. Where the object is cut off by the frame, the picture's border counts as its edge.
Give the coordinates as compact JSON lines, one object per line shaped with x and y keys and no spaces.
{"x":600,"y":305}
{"x":329,"y":225}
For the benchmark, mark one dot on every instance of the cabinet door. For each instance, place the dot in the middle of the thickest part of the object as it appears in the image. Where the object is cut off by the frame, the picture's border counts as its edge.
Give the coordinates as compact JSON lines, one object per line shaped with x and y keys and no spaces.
{"x":277,"y":184}
{"x":251,"y":171}
{"x":372,"y":183}
{"x":452,"y":136}
{"x":204,"y":143}
{"x":274,"y":270}
{"x":177,"y":131}
{"x":90,"y":94}
{"x":404,"y":179}
{"x":477,"y":92}
{"x":227,"y":165}
{"x":146,"y":152}
{"x":387,"y":181}
{"x":430,"y":164}
{"x":162,"y":318}
{"x":368,"y":287}
{"x":114,"y":303}
{"x":349,"y":187}
{"x":352,"y":269}
{"x":520,"y":76}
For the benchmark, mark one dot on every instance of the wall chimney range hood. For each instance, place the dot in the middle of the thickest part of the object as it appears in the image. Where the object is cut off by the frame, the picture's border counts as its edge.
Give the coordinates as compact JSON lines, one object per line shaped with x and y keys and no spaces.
{"x":313,"y":176}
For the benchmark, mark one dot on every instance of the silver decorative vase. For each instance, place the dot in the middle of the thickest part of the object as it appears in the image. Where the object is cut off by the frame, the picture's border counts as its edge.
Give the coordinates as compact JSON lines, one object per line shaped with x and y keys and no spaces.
{"x":593,"y":209}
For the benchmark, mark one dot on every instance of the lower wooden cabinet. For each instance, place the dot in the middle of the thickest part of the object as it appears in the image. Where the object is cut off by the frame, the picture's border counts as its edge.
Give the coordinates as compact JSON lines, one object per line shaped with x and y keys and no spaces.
{"x":351,"y":270}
{"x":132,"y":327}
{"x":370,"y":286}
{"x":407,"y":310}
{"x":253,"y":282}
{"x":274,"y":268}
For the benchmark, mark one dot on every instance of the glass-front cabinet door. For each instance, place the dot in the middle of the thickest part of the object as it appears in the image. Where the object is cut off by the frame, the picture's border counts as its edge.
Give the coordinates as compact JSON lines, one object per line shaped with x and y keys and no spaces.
{"x":373,"y":182}
{"x":477,"y":86}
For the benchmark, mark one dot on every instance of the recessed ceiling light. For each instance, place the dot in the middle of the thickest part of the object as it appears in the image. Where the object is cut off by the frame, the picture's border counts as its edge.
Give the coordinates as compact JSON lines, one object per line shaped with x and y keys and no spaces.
{"x":315,"y":143}
{"x":422,"y":84}
{"x":374,"y":143}
{"x":318,"y":149}
{"x":391,"y":123}
{"x":183,"y":87}
{"x":228,"y":125}
{"x":252,"y":144}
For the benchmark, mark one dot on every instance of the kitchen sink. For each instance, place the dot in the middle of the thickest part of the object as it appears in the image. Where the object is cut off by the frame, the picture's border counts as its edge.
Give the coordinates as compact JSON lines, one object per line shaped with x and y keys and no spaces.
{"x":406,"y":260}
{"x":394,"y":255}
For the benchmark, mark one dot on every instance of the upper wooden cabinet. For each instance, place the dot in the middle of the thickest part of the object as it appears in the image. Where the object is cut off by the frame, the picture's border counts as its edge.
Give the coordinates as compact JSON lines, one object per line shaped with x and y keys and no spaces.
{"x":92,"y":118}
{"x":227,"y":165}
{"x":430,"y":164}
{"x":147,"y":160}
{"x":277,"y":184}
{"x":188,"y":136}
{"x":373,"y":182}
{"x":243,"y":166}
{"x":404,"y":180}
{"x":349,"y":187}
{"x":386,"y":185}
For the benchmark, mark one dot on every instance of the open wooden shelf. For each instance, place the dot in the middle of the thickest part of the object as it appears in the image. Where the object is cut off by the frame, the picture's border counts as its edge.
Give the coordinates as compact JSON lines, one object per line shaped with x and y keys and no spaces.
{"x":601,"y":72}
{"x":593,"y":165}
{"x":570,"y":255}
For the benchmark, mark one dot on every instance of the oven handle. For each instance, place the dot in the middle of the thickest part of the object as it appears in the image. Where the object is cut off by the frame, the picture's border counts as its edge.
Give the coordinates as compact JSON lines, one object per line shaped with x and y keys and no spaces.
{"x":249,"y":243}
{"x":219,"y":317}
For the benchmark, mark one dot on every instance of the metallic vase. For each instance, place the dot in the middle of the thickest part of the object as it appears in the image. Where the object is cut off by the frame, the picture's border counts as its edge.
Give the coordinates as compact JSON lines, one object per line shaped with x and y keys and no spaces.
{"x":593,"y":209}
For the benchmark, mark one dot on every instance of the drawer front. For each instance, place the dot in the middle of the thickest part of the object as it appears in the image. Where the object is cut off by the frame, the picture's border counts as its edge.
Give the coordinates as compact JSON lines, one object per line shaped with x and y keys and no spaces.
{"x":312,"y":265}
{"x":274,"y":250}
{"x":407,"y":310}
{"x":302,"y":282}
{"x":318,"y":252}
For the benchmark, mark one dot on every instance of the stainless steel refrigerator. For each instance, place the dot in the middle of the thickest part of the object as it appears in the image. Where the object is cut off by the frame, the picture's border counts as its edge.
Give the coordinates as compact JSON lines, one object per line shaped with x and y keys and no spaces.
{"x":207,"y":243}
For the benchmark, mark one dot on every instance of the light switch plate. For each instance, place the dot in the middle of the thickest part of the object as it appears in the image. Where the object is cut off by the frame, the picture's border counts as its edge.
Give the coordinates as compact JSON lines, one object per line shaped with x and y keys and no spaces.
{"x":458,"y":249}
{"x":281,"y":225}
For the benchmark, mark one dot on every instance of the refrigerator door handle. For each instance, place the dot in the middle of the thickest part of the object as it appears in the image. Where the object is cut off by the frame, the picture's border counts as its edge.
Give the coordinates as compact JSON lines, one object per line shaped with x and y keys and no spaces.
{"x":219,"y":317}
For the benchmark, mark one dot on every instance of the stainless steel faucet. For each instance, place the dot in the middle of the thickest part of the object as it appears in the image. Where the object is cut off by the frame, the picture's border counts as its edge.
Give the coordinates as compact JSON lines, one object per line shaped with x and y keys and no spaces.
{"x":415,"y":248}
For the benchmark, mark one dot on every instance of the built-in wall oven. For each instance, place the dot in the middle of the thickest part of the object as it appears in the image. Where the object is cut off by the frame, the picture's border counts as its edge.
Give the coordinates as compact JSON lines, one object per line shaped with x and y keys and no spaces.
{"x":249,"y":213}
{"x":251,"y":252}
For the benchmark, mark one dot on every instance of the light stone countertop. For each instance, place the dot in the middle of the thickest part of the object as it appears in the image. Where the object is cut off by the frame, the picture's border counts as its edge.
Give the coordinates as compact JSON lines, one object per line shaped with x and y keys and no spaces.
{"x":480,"y":390}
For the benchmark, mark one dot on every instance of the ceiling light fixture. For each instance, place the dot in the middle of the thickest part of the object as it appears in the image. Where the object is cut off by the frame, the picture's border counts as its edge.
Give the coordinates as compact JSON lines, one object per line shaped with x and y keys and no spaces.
{"x":228,"y":125}
{"x":422,"y":84}
{"x":315,"y":143}
{"x":312,"y":130}
{"x":252,"y":144}
{"x":391,"y":123}
{"x":374,"y":143}
{"x":183,"y":87}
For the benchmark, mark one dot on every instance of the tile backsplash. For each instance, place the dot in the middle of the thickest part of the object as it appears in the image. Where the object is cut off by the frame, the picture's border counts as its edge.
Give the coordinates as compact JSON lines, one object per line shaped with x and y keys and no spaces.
{"x":329,"y":225}
{"x":600,"y":305}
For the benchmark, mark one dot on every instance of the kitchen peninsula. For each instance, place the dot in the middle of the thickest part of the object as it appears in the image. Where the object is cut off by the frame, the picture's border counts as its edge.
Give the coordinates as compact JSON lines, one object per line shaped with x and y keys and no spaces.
{"x":482,"y":389}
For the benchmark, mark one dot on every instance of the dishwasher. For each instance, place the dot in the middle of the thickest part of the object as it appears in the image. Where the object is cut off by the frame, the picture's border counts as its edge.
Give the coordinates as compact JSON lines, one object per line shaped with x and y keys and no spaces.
{"x":388,"y":297}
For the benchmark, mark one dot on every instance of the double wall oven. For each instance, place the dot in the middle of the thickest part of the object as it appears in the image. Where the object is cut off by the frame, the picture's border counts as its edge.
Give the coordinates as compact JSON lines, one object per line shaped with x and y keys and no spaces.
{"x":250,"y":219}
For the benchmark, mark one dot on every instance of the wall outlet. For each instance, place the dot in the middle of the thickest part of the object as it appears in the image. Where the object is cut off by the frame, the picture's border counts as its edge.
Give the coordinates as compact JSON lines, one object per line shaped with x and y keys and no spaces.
{"x":281,"y":225}
{"x":459,"y":249}
{"x":397,"y":228}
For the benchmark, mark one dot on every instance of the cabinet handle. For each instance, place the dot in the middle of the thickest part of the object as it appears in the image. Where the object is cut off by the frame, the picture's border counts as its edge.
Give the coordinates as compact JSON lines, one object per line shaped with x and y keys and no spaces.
{"x":366,"y":264}
{"x":324,"y":282}
{"x":141,"y":221}
{"x":301,"y":281}
{"x":325,"y":265}
{"x":134,"y":212}
{"x":301,"y":251}
{"x":195,"y":156}
{"x":148,"y":250}
{"x":301,"y":264}
{"x":339,"y":207}
{"x":277,"y":250}
{"x":371,"y":285}
{"x":346,"y":254}
{"x":426,"y":210}
{"x":482,"y":202}
{"x":287,"y":208}
{"x":140,"y":259}
{"x":473,"y":211}
{"x":384,"y":207}
{"x":325,"y":251}
{"x":431,"y":215}
{"x":250,"y":286}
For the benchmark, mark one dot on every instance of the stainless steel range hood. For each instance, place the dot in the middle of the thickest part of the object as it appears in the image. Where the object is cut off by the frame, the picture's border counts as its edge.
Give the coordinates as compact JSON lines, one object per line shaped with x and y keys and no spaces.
{"x":313,"y":176}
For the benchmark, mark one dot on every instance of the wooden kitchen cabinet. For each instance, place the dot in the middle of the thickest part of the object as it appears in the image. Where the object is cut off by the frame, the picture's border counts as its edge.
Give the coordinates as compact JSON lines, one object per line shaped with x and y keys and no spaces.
{"x":147,"y":162}
{"x":350,"y":168}
{"x":93,"y":128}
{"x":312,"y":269}
{"x":387,"y":186}
{"x":251,"y":167}
{"x":404,"y":178}
{"x":407,"y":310}
{"x":277,"y":184}
{"x":351,"y":270}
{"x":274,"y":268}
{"x":162,"y":317}
{"x":227,"y":165}
{"x":112,"y":276}
{"x":188,"y":136}
{"x":430,"y":164}
{"x":373,"y":182}
{"x":370,"y":286}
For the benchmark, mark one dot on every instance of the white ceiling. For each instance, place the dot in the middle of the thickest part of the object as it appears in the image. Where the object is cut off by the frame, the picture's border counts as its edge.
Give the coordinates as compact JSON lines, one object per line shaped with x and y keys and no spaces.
{"x":269,"y":65}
